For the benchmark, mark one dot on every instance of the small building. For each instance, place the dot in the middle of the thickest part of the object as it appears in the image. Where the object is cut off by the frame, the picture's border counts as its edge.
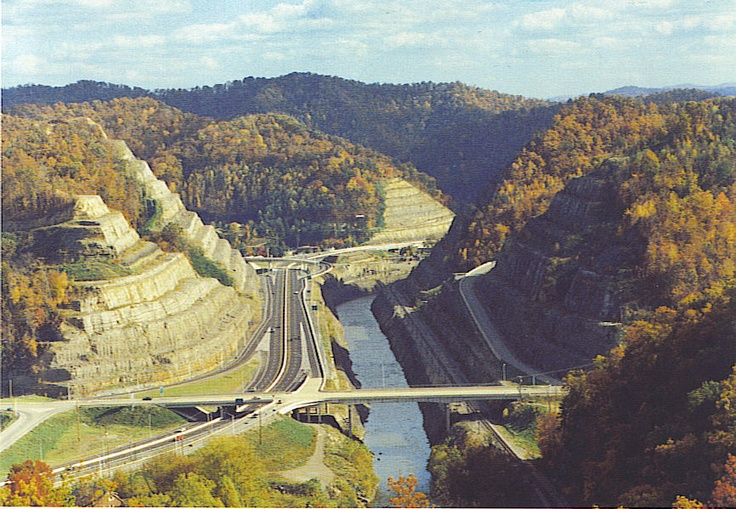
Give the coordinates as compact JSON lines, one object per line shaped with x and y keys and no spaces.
{"x":109,"y":499}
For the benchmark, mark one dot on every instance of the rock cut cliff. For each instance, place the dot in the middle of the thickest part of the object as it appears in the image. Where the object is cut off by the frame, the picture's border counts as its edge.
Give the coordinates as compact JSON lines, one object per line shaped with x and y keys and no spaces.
{"x":164,"y":207}
{"x":410,"y":214}
{"x":137,"y":315}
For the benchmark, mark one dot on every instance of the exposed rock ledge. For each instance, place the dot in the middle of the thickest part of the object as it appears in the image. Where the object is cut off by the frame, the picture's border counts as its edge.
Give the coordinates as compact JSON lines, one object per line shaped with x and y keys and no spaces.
{"x":161,"y":323}
{"x":411,"y":214}
{"x":165,"y":207}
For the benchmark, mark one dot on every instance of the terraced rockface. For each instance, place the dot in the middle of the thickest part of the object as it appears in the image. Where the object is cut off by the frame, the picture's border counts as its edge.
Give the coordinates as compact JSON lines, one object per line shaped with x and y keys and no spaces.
{"x":160,"y":323}
{"x":558,"y":292}
{"x":165,"y":207}
{"x":411,"y":214}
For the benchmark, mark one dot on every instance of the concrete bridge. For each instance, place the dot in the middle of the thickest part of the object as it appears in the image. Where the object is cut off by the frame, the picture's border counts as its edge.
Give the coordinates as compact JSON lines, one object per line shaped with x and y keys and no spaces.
{"x":431,"y":394}
{"x":308,"y":396}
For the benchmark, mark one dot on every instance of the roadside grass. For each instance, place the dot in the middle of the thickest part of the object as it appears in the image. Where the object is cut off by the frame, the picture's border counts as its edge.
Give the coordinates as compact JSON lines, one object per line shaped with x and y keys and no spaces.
{"x":229,"y":382}
{"x":284,"y":444}
{"x":524,"y":439}
{"x":6,"y":418}
{"x":31,"y":398}
{"x":85,"y":432}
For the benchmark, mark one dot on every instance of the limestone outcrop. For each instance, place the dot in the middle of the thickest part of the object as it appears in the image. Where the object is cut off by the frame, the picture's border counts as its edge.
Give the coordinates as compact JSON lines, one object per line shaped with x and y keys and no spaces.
{"x":160,"y":323}
{"x":87,"y":229}
{"x":164,"y":207}
{"x":411,"y":214}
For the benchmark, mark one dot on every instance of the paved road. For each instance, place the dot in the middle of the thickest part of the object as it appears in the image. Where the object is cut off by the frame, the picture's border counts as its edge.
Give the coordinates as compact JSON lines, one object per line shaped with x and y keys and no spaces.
{"x":488,"y":330}
{"x":30,"y":415}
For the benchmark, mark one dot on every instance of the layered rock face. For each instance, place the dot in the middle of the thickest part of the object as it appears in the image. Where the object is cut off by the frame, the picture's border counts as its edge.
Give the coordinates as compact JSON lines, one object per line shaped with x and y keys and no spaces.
{"x":87,"y":229}
{"x":160,"y":323}
{"x":165,"y":207}
{"x":411,"y":214}
{"x":557,"y":289}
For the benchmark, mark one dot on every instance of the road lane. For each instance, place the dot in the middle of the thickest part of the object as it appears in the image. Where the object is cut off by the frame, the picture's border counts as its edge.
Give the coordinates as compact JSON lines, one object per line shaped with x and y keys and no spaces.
{"x":30,"y":415}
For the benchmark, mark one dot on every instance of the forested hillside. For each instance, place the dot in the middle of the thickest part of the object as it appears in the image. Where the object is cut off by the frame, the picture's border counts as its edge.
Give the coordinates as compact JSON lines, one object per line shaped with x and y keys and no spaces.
{"x":625,"y":212}
{"x":459,"y":134}
{"x":270,"y":172}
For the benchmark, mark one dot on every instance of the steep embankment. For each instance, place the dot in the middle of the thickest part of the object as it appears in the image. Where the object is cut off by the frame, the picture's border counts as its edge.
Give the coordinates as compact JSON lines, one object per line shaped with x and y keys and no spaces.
{"x":558,"y":287}
{"x":411,"y":215}
{"x":164,"y":207}
{"x":161,"y":322}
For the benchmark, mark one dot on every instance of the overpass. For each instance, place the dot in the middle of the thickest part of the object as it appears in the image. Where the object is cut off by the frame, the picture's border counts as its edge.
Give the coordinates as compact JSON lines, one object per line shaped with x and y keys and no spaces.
{"x":449,"y":394}
{"x":308,"y":396}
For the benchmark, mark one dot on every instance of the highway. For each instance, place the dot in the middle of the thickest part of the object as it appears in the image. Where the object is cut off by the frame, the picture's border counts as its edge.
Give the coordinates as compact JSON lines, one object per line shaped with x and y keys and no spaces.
{"x":291,"y":377}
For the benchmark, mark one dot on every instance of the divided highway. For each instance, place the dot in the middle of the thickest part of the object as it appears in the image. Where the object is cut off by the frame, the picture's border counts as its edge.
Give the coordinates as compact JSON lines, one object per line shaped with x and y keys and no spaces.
{"x":290,"y":377}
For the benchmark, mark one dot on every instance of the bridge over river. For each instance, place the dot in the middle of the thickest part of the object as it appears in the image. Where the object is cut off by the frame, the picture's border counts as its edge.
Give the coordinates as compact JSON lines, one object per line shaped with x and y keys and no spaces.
{"x":310,"y":395}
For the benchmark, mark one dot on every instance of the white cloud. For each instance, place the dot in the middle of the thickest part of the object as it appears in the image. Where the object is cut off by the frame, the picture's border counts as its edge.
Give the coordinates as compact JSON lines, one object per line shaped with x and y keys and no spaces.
{"x":26,"y":64}
{"x":543,"y":20}
{"x":205,"y":33}
{"x":209,"y":63}
{"x":589,"y":13}
{"x":261,"y":22}
{"x":409,"y":39}
{"x":664,"y":27}
{"x":608,"y":43}
{"x":96,"y":4}
{"x":136,"y":42}
{"x":508,"y":44}
{"x":553,"y":46}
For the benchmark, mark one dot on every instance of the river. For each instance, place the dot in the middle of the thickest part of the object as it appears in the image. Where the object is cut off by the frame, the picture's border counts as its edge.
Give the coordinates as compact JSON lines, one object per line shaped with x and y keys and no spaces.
{"x":394,"y":431}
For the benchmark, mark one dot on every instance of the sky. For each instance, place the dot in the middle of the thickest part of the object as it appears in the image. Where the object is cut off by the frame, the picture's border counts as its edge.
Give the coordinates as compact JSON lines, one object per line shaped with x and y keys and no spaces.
{"x":535,"y":48}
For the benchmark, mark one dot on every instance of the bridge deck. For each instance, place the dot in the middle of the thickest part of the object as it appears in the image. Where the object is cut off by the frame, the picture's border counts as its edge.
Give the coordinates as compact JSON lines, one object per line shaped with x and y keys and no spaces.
{"x":350,"y":397}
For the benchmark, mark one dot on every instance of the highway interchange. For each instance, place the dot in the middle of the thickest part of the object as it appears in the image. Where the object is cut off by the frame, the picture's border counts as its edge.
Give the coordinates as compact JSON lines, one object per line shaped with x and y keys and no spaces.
{"x":291,"y":377}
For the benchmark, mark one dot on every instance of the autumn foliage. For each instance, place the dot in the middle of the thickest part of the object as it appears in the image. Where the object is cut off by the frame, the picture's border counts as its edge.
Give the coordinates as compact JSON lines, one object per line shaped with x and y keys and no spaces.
{"x":268,"y":172}
{"x":404,"y":492}
{"x":31,"y":483}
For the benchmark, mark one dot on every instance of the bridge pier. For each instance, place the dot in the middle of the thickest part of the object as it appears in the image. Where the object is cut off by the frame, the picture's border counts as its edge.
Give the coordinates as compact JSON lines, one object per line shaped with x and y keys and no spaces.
{"x":448,"y":423}
{"x":350,"y":421}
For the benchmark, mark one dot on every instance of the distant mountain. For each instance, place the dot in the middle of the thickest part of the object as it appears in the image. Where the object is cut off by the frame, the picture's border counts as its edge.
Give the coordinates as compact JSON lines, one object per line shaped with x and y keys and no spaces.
{"x":724,"y":89}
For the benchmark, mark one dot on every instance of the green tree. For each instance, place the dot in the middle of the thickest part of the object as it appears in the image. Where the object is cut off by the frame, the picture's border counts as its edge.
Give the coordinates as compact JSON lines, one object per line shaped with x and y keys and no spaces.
{"x":228,"y":493}
{"x":194,"y":490}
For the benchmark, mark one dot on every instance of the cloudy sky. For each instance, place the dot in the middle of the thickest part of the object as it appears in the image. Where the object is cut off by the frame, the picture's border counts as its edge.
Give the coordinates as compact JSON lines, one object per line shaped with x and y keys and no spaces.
{"x":537,"y":48}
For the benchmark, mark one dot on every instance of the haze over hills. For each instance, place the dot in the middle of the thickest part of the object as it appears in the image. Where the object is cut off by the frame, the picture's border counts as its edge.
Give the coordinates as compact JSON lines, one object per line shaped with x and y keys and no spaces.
{"x":724,"y":89}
